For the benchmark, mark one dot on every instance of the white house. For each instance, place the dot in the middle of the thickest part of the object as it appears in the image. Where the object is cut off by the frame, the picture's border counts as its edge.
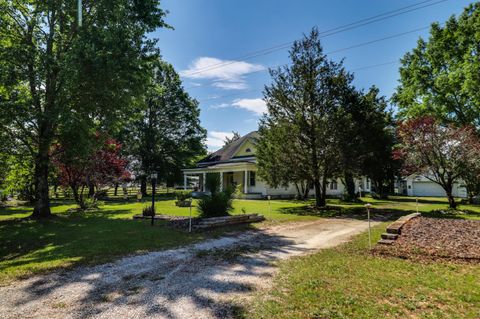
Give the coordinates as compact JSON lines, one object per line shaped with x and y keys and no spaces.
{"x":420,"y":186}
{"x":236,"y":163}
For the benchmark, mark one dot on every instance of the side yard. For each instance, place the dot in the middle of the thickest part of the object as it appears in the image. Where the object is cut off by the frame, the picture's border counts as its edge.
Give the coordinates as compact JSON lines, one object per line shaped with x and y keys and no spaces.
{"x":348,"y":282}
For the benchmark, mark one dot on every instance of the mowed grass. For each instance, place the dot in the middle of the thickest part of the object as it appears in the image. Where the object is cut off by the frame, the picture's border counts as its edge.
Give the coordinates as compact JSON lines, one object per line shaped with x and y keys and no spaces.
{"x":28,"y":247}
{"x":349,"y":282}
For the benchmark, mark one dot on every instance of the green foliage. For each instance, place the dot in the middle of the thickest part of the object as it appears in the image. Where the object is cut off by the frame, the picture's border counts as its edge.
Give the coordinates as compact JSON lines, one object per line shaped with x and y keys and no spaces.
{"x":166,"y":135}
{"x":219,"y":203}
{"x":183,"y":195}
{"x":148,"y":211}
{"x":89,"y":75}
{"x":321,"y":124}
{"x":441,"y":76}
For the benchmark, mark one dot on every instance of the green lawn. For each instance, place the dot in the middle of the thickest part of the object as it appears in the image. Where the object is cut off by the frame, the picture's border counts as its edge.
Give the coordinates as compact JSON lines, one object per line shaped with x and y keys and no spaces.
{"x":348,"y":282}
{"x":28,"y":247}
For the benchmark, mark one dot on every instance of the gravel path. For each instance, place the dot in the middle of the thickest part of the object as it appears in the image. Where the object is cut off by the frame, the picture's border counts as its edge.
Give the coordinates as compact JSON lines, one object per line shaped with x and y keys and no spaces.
{"x":205,"y":280}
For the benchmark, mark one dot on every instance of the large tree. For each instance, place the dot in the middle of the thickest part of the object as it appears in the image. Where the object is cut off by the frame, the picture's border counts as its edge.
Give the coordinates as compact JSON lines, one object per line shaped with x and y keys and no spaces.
{"x":441,"y":76}
{"x":306,"y":99}
{"x":439,"y":152}
{"x":54,"y":71}
{"x":167,"y":136}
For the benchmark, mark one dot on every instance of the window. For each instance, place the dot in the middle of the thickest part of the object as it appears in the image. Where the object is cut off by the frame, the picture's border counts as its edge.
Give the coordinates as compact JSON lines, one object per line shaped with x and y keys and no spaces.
{"x":367,"y":186}
{"x":252,"y":178}
{"x":333,"y":185}
{"x":248,"y":150}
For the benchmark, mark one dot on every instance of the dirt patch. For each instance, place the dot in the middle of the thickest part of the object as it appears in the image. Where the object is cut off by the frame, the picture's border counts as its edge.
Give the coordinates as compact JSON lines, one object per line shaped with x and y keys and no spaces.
{"x":437,"y":238}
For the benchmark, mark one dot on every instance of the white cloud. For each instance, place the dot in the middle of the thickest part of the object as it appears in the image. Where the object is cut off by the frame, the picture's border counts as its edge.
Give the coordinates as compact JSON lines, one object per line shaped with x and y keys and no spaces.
{"x":216,"y":139}
{"x":227,"y":74}
{"x":219,"y":106}
{"x":257,"y":106}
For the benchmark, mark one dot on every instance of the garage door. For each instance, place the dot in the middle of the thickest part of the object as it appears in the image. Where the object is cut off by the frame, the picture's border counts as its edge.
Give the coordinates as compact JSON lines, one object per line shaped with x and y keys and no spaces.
{"x":427,"y":189}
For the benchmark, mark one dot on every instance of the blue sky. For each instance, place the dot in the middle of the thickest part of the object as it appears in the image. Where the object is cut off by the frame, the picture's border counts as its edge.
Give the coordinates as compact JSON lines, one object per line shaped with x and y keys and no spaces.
{"x":211,"y":39}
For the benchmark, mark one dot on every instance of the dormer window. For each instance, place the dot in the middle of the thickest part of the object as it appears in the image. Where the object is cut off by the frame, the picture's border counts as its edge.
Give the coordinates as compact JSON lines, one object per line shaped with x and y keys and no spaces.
{"x":248,"y":150}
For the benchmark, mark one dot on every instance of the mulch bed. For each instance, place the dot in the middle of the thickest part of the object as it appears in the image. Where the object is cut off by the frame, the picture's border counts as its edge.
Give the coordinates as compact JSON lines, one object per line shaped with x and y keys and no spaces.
{"x":426,"y":239}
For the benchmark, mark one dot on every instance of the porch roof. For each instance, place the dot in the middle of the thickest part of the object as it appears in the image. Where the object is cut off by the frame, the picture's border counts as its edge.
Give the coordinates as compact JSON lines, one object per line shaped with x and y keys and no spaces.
{"x":222,"y":167}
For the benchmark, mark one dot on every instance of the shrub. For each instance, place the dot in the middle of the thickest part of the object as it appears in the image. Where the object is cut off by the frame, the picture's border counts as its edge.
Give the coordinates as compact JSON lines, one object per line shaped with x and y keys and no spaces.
{"x":215,"y":205}
{"x":183,"y":195}
{"x":89,"y":203}
{"x":148,"y":211}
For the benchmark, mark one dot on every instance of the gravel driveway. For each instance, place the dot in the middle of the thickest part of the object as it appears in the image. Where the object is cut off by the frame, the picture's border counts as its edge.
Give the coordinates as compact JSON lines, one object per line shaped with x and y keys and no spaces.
{"x":205,"y":280}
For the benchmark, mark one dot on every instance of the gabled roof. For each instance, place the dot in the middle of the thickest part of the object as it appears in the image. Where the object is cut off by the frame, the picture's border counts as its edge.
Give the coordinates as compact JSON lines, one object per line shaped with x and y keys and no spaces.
{"x":228,"y":152}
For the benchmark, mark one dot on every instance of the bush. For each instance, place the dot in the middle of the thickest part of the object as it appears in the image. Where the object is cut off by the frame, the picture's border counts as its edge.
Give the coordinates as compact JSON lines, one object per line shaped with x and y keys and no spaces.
{"x":148,"y":211}
{"x":183,"y":195}
{"x":89,"y":204}
{"x":218,"y":203}
{"x":215,"y":205}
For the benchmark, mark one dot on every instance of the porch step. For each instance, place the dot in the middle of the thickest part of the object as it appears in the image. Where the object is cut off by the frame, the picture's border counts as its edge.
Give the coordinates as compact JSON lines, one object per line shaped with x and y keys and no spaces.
{"x":389,"y":236}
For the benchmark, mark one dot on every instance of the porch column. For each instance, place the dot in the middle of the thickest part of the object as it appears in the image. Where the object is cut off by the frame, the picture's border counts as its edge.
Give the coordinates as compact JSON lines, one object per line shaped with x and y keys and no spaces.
{"x":221,"y":181}
{"x":245,"y":181}
{"x":203,"y":181}
{"x":184,"y":182}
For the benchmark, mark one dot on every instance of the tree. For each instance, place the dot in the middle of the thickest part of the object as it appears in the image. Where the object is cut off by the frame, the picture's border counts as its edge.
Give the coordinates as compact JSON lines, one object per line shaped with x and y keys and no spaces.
{"x":306,"y":100}
{"x":101,"y":166}
{"x":437,"y":151}
{"x":229,"y":140}
{"x":276,"y":154}
{"x":441,"y":76}
{"x":167,"y":135}
{"x":53,"y":72}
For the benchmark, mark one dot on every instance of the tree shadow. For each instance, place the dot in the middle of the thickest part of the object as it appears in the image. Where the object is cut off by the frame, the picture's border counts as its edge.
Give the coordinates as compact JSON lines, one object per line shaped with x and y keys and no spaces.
{"x":357,"y":212}
{"x":168,"y":284}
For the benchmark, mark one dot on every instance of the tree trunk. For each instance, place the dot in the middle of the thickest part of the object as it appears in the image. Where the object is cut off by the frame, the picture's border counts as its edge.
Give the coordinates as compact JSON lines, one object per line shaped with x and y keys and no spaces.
{"x":306,"y":191}
{"x":42,"y":201}
{"x":451,"y":200}
{"x":116,"y":190}
{"x":319,"y":195}
{"x":350,"y":185}
{"x":76,"y":196}
{"x":143,"y":185}
{"x":91,"y":189}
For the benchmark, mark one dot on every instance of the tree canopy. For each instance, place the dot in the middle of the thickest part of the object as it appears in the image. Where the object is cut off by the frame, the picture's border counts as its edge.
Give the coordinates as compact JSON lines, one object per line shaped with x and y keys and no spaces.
{"x":54,"y":73}
{"x":441,"y":76}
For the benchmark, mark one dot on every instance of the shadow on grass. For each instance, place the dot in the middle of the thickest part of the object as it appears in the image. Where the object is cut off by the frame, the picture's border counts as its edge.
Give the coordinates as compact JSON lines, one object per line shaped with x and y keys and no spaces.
{"x":70,"y":239}
{"x":341,"y":212}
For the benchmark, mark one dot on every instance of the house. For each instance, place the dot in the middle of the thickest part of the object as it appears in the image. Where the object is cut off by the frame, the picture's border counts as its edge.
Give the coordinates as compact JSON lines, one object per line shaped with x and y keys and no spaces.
{"x":420,"y":186}
{"x":237,"y":165}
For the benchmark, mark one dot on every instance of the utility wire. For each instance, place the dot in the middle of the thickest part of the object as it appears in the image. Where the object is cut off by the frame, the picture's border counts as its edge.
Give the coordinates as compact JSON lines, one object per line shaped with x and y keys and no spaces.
{"x":333,"y":31}
{"x":257,"y":90}
{"x":335,"y":51}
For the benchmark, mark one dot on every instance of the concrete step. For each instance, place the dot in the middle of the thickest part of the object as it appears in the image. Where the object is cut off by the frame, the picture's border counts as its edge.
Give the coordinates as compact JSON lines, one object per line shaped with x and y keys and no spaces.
{"x":386,"y":241}
{"x":389,"y":236}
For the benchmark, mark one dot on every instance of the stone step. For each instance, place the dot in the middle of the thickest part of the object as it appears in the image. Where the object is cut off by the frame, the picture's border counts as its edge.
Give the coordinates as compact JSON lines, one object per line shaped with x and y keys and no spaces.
{"x":389,"y":236}
{"x":386,"y":241}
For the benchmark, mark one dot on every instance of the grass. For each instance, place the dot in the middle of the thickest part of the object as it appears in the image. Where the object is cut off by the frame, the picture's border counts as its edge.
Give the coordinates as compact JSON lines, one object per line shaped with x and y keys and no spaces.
{"x":348,"y":282}
{"x":28,"y":247}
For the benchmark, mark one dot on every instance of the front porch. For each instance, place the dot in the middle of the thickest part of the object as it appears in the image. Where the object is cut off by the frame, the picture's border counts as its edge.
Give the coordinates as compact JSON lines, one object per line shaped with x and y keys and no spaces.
{"x":231,"y":175}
